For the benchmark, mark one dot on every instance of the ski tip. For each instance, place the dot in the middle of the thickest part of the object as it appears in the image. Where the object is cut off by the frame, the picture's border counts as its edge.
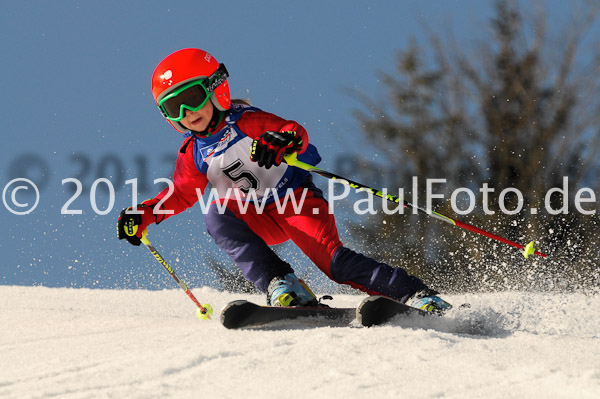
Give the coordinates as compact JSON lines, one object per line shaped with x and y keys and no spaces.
{"x":233,"y":314}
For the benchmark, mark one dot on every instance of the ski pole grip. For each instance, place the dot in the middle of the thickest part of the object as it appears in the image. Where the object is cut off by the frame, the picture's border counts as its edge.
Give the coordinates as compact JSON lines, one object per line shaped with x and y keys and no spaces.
{"x":292,"y":160}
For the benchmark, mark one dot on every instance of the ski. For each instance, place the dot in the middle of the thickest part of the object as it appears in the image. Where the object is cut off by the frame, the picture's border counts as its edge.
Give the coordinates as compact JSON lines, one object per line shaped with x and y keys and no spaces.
{"x":375,"y":310}
{"x":242,"y":313}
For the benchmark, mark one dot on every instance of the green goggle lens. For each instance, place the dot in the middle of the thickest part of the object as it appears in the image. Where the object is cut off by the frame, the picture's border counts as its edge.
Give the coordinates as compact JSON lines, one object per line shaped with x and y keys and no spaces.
{"x":191,"y":96}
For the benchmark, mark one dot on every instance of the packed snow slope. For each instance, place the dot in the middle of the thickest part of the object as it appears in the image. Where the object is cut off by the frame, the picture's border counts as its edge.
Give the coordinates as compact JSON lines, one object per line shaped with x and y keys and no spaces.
{"x":81,"y":343}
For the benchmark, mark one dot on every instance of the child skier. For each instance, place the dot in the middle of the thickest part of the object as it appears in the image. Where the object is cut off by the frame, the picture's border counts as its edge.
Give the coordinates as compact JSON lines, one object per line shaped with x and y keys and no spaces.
{"x":239,"y":150}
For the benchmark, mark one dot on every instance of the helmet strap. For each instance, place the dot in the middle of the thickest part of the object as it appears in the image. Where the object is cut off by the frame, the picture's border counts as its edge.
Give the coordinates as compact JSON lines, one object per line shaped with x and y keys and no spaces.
{"x":215,"y":121}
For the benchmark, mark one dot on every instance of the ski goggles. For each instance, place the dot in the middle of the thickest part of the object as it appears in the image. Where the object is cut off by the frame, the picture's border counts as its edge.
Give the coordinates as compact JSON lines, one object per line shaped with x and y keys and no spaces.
{"x":192,"y":95}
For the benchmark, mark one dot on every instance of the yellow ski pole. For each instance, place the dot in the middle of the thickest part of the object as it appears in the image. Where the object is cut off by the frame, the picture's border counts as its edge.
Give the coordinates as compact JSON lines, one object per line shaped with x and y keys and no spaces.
{"x":204,"y":311}
{"x":291,"y":159}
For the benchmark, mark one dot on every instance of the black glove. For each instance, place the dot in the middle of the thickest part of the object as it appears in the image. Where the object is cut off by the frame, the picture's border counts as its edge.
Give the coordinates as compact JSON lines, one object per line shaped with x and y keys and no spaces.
{"x":270,"y":148}
{"x":130,"y":226}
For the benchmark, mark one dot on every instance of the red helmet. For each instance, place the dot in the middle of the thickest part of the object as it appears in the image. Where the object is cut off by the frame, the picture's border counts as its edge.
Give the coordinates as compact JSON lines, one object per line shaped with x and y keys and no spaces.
{"x":182,"y":67}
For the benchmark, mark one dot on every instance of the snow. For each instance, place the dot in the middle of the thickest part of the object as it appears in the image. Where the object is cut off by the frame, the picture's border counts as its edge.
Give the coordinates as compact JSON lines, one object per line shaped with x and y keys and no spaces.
{"x":82,"y":343}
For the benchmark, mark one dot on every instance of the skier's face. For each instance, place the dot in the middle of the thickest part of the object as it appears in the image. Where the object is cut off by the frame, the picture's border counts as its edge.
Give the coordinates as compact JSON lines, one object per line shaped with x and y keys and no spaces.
{"x":198,"y":121}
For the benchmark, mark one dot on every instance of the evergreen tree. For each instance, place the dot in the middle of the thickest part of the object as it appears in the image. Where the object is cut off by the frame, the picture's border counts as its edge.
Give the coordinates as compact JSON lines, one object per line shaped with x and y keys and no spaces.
{"x":520,"y":112}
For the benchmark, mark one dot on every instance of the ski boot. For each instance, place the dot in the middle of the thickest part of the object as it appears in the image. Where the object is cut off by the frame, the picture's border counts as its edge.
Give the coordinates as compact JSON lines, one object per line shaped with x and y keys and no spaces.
{"x":429,"y":301}
{"x":288,"y":290}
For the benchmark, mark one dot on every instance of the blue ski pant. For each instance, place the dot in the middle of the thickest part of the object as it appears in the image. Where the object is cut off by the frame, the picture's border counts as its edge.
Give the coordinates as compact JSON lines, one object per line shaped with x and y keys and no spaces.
{"x":245,"y":235}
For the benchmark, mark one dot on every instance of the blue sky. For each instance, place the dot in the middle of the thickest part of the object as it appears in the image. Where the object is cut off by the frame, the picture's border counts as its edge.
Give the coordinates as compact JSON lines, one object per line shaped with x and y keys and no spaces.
{"x":76,"y":103}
